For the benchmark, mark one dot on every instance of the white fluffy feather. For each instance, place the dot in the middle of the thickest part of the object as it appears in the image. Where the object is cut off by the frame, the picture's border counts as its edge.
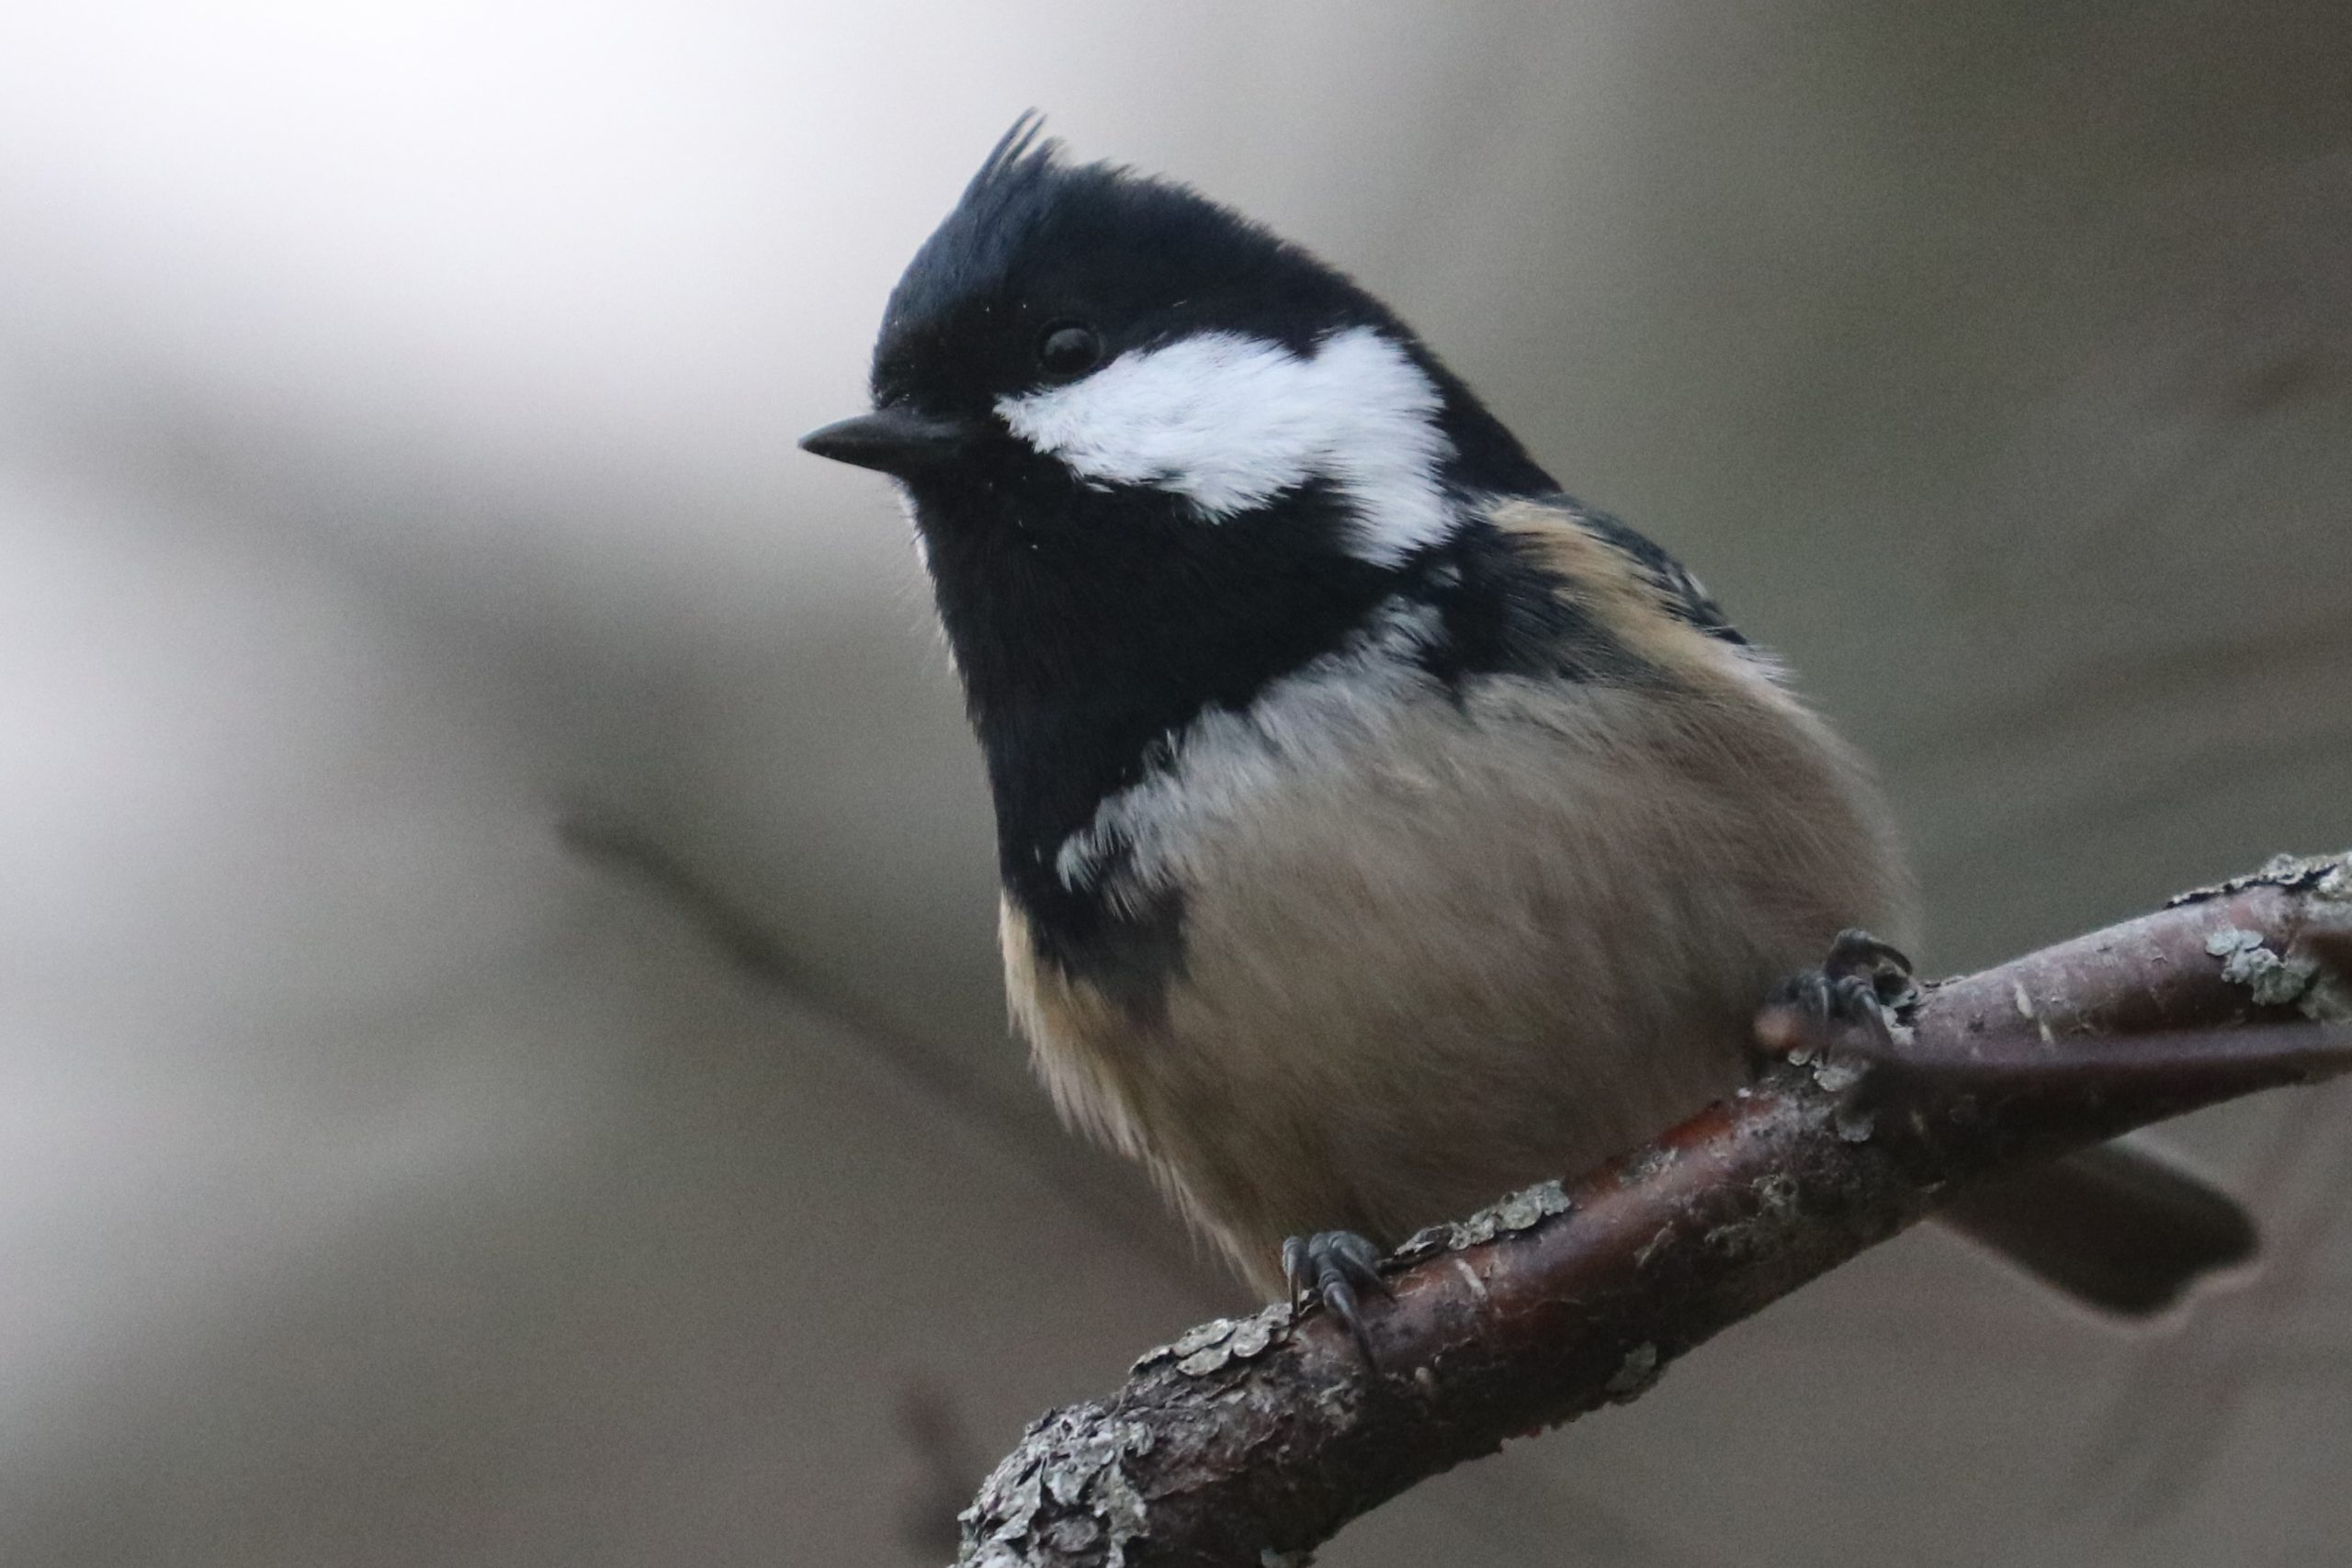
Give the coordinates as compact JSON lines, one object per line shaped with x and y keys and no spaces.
{"x":1216,"y":763}
{"x":1230,"y":422}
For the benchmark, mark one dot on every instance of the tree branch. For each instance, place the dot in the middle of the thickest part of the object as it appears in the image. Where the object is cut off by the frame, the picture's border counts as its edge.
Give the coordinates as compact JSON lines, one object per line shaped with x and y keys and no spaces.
{"x":1248,"y":1442}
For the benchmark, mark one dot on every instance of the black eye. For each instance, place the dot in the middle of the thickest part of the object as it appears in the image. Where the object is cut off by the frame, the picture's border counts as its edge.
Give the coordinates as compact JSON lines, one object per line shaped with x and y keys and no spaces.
{"x":1070,"y":350}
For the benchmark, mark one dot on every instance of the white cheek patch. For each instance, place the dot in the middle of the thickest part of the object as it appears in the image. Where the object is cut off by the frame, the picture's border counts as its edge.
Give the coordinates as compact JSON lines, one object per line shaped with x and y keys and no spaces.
{"x":1229,"y":423}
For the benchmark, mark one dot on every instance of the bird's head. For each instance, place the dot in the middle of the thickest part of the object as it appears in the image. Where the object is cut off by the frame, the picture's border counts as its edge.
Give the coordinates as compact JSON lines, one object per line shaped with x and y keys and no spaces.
{"x":1103,"y":390}
{"x":1160,"y":460}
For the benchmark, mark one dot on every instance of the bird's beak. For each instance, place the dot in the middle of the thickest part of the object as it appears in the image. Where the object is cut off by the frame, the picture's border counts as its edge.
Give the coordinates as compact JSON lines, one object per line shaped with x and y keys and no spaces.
{"x":897,"y":441}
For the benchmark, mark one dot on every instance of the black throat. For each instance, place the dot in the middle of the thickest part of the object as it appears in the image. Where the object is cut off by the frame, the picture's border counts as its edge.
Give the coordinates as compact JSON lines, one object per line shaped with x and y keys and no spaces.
{"x":1090,"y":626}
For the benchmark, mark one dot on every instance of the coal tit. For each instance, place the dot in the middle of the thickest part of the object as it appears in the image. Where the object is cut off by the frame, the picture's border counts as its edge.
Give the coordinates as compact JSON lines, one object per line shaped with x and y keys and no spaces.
{"x":1380,"y":829}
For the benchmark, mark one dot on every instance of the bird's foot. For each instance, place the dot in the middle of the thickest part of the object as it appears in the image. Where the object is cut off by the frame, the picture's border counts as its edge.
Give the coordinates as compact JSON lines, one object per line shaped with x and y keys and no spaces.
{"x":1331,"y":1267}
{"x":1859,"y":984}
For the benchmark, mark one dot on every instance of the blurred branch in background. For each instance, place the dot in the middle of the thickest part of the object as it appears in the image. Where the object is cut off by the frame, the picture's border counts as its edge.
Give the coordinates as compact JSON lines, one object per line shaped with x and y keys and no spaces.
{"x":1250,"y":1442}
{"x":1012,"y":1120}
{"x":949,"y":1463}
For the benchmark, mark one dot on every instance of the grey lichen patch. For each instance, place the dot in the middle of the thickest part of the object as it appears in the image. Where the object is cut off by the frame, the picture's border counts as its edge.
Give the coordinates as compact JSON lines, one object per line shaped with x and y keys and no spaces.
{"x":2272,"y":978}
{"x":1841,"y":1076}
{"x":1635,"y":1374}
{"x":1521,"y":1211}
{"x":1191,"y":1342}
{"x":1220,"y":1341}
{"x":1645,"y":1164}
{"x":1525,"y":1209}
{"x":1248,"y":1339}
{"x":2329,"y":998}
{"x":2330,"y":876}
{"x":1201,"y":1363}
{"x":1836,"y":1075}
{"x":1427,"y":1242}
{"x":1777,"y":1215}
{"x":1268,"y":1558}
{"x":1252,"y":1336}
{"x":1064,"y":1488}
{"x":1776,"y":1195}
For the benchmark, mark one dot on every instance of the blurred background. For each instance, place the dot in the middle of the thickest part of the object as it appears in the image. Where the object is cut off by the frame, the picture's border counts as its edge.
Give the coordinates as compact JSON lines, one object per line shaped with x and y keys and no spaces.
{"x":501,"y":1056}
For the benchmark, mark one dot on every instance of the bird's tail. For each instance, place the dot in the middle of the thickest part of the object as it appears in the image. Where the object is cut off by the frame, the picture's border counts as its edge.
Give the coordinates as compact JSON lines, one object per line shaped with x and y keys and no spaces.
{"x":2116,"y":1228}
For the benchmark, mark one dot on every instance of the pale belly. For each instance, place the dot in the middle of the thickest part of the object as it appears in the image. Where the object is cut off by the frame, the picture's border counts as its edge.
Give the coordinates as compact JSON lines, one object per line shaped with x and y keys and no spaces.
{"x":1434,"y":953}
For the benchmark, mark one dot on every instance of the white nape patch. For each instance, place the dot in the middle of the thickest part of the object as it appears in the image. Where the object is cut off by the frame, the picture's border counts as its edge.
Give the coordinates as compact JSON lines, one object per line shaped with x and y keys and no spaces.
{"x":1218,"y":762}
{"x":1232,"y":422}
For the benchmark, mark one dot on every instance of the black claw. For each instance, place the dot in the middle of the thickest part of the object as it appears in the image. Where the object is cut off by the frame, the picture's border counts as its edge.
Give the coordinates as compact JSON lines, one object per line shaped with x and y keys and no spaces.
{"x":1331,"y":1267}
{"x":1881,"y":966}
{"x":1343,"y":1302}
{"x":1854,"y":998}
{"x":1860,"y":980}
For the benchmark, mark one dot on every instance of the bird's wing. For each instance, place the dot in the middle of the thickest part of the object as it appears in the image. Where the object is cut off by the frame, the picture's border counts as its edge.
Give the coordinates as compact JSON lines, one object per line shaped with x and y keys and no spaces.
{"x":1681,"y":594}
{"x":1616,"y":583}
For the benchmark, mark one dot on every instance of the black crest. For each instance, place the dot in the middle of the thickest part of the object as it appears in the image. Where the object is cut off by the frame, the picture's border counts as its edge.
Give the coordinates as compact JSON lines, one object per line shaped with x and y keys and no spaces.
{"x":1036,"y":238}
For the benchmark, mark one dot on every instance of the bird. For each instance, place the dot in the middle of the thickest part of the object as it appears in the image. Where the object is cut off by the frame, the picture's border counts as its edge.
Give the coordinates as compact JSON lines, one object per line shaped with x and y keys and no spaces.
{"x":1380,"y":829}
